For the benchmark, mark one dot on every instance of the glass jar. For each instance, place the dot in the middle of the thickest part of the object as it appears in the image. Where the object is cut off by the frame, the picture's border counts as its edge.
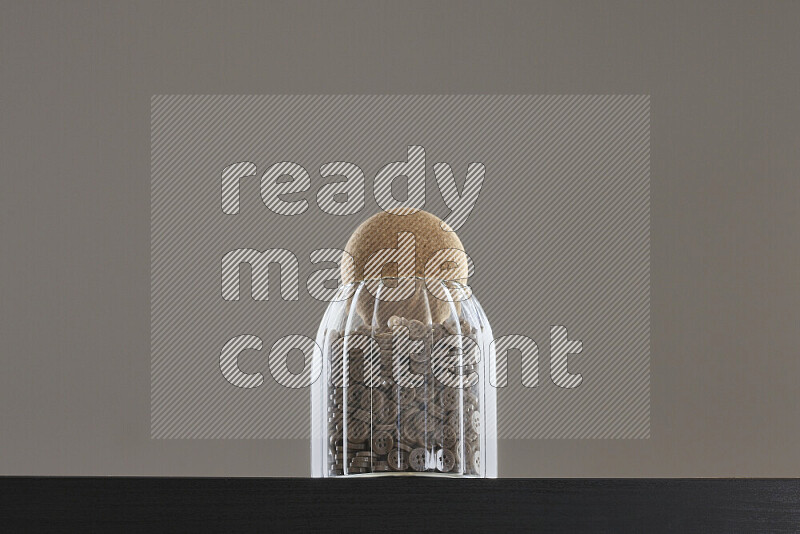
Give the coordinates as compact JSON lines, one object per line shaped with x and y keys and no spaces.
{"x":404,"y":387}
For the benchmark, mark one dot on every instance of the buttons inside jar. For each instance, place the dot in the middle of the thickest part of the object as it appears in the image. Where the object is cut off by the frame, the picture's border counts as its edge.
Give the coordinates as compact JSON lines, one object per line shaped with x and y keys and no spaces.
{"x":430,"y":428}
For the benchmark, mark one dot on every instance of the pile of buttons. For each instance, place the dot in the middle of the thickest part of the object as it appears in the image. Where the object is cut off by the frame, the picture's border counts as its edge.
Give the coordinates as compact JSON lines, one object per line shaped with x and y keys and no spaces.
{"x":385,"y":428}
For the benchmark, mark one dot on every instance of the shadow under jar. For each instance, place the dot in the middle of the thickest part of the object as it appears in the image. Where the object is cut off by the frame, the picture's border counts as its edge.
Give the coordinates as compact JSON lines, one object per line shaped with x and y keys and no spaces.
{"x":404,"y":386}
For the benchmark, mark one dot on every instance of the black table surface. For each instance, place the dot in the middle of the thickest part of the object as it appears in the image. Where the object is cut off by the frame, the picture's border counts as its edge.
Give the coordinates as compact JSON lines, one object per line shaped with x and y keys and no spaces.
{"x":400,"y":504}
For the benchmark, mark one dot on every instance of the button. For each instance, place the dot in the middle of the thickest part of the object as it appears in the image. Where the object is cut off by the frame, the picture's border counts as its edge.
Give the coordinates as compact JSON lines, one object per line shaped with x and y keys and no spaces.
{"x":381,"y":466}
{"x":451,"y":326}
{"x":450,"y":397}
{"x":423,"y":355}
{"x":382,"y":443}
{"x":355,"y":446}
{"x":435,"y":411}
{"x":470,"y":398}
{"x":387,"y":416}
{"x":361,"y":415}
{"x":384,"y":341}
{"x":361,"y":462}
{"x":397,"y":460}
{"x":353,"y":394}
{"x":357,"y":431}
{"x":475,"y":421}
{"x":403,"y":396}
{"x":466,"y":328}
{"x":395,"y":322}
{"x":449,"y":437}
{"x":445,"y":460}
{"x":416,"y":459}
{"x":379,"y":400}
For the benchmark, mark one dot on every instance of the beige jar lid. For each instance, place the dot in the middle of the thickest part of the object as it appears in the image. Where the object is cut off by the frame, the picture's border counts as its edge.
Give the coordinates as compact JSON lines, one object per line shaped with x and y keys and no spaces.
{"x":418,"y":243}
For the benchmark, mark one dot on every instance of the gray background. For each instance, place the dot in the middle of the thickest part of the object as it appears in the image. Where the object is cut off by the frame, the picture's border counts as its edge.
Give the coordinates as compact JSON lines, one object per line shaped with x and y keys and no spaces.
{"x":76,"y":84}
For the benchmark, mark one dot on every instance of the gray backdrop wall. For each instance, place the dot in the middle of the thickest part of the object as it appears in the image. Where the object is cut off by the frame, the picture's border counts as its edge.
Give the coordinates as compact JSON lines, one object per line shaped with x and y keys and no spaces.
{"x":77,"y":79}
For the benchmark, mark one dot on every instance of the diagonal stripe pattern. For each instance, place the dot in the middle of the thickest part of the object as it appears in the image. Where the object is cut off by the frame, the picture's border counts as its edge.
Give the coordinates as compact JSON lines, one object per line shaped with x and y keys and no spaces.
{"x":560,"y":235}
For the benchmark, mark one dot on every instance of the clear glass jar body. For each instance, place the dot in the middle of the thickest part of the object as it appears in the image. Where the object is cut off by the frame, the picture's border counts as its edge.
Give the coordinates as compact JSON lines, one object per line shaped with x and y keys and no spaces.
{"x":405,"y":386}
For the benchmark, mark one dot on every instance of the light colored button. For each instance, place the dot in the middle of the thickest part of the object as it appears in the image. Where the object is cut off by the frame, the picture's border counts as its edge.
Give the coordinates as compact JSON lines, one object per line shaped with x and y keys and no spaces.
{"x":395,"y":321}
{"x":475,"y":421}
{"x":445,"y":460}
{"x":417,"y":459}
